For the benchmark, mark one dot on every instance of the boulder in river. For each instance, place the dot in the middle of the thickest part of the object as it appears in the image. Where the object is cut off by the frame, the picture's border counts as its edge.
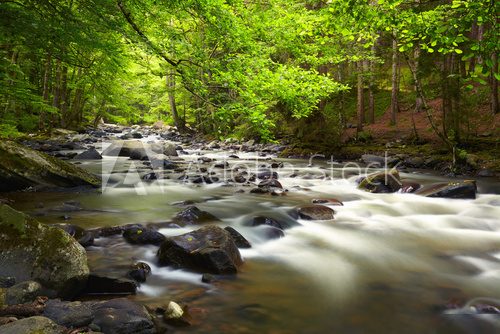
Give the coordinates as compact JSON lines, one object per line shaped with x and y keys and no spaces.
{"x":90,"y":154}
{"x":103,"y":285}
{"x":238,"y":239}
{"x":68,"y":314}
{"x":30,"y":250}
{"x":382,"y":182}
{"x":121,"y":316}
{"x":192,"y":215}
{"x":139,"y":272}
{"x":209,"y":249}
{"x":143,"y":236}
{"x":315,"y":212}
{"x":464,"y":190}
{"x":22,"y":167}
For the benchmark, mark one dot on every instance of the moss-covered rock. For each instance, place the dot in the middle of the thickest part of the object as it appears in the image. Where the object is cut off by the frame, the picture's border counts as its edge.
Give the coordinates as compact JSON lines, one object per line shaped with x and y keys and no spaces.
{"x":382,"y":182}
{"x":30,"y":250}
{"x":22,"y":167}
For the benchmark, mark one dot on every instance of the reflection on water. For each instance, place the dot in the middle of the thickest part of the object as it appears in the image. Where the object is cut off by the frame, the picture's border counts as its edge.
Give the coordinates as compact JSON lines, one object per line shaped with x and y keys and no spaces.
{"x":386,"y":264}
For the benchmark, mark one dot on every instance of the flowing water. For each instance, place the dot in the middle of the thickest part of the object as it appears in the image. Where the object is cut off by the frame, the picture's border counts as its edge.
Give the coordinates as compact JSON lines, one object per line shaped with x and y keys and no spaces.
{"x":387,"y":263}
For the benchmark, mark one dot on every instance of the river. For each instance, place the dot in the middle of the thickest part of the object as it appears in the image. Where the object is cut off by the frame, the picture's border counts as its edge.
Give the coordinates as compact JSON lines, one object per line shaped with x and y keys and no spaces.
{"x":387,"y":263}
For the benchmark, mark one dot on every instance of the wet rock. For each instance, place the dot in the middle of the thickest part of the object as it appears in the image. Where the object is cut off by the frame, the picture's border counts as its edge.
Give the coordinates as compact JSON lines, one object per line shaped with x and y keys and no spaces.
{"x":143,"y":236}
{"x":32,"y":325}
{"x":23,"y":293}
{"x":68,"y":314}
{"x":205,"y":159}
{"x":30,"y":250}
{"x":137,"y":135}
{"x":208,"y":278}
{"x":461,"y":190}
{"x":7,"y":282}
{"x":90,"y":154}
{"x":150,"y":176}
{"x":315,"y":212}
{"x":267,"y":174}
{"x":83,"y":237}
{"x":205,"y":179}
{"x":222,"y":165}
{"x":415,"y":162}
{"x":234,"y":156}
{"x":122,"y":316}
{"x":270,"y":183}
{"x":139,"y":272}
{"x":138,"y":154}
{"x":382,"y":182}
{"x":175,"y":315}
{"x":160,"y":163}
{"x":409,"y":187}
{"x":102,"y":285}
{"x":192,"y":215}
{"x":273,"y":233}
{"x":22,"y":167}
{"x":238,"y":239}
{"x":329,"y":201}
{"x":209,"y":249}
{"x":261,"y":220}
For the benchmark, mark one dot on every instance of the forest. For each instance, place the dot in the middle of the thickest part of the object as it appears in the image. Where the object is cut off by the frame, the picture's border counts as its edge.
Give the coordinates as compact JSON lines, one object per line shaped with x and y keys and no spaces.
{"x":249,"y":166}
{"x":251,"y":69}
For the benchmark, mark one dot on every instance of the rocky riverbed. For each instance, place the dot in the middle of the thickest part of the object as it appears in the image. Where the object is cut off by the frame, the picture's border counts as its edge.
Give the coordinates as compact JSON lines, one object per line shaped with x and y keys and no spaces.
{"x":212,"y":237}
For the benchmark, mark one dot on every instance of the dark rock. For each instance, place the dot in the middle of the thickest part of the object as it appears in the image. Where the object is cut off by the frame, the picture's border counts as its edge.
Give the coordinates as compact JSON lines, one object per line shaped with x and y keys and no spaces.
{"x":23,"y":293}
{"x":208,"y":249}
{"x":409,"y":187}
{"x":143,"y":236}
{"x":270,"y":183}
{"x":208,"y":278}
{"x":102,"y":285}
{"x":138,"y":154}
{"x":234,"y":156}
{"x":221,"y":164}
{"x":122,"y":316}
{"x":330,"y":201}
{"x":137,"y":135}
{"x":30,"y":250}
{"x":261,"y":220}
{"x":382,"y":182}
{"x":83,"y":237}
{"x":163,"y":164}
{"x":267,"y":174}
{"x":315,"y":212}
{"x":32,"y":325}
{"x":123,"y":148}
{"x":192,"y":215}
{"x":90,"y":154}
{"x":462,"y":190}
{"x":260,"y":191}
{"x":205,"y":179}
{"x":415,"y":162}
{"x":205,"y":159}
{"x":22,"y":167}
{"x":7,"y":282}
{"x":108,"y":231}
{"x":273,"y":233}
{"x":68,"y":314}
{"x":139,"y":272}
{"x":238,"y":239}
{"x":277,"y":165}
{"x":150,"y":176}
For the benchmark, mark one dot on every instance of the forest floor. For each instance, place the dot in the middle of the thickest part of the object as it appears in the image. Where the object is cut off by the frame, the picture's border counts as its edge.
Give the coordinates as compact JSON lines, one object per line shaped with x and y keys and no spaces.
{"x":483,"y":142}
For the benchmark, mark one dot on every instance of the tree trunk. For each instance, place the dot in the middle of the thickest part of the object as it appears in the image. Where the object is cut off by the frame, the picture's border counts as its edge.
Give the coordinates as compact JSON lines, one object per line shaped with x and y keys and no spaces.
{"x":395,"y":82}
{"x":360,"y":98}
{"x":371,"y":90}
{"x":64,"y":92}
{"x":419,"y":105}
{"x":446,"y":107}
{"x":45,"y":93}
{"x":494,"y":84}
{"x":171,"y":99}
{"x":56,"y":102}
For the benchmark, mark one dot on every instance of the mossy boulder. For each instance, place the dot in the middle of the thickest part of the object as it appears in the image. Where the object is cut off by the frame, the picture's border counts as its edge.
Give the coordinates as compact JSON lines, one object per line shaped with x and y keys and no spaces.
{"x":30,"y":250}
{"x":387,"y":181}
{"x":33,"y":325}
{"x":22,"y":167}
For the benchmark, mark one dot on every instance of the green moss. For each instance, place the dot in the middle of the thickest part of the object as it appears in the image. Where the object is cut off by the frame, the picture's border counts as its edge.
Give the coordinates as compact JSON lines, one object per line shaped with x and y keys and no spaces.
{"x":12,"y":219}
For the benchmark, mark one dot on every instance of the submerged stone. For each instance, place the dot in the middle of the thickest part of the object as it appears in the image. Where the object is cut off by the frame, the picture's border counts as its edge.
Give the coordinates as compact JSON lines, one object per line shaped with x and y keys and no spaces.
{"x":460,"y":190}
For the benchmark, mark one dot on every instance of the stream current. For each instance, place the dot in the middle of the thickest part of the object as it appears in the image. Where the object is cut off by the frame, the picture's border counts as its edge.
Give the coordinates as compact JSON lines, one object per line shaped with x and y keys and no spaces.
{"x":387,"y":263}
